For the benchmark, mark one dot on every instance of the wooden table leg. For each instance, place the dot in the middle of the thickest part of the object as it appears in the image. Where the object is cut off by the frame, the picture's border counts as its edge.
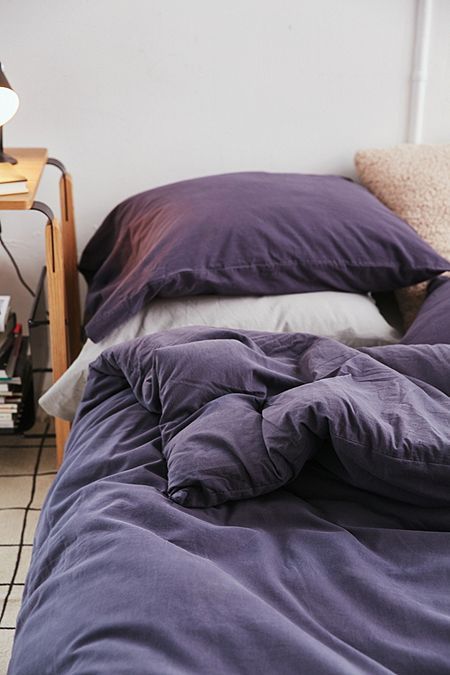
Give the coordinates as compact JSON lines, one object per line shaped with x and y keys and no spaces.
{"x":62,"y":431}
{"x":63,"y":290}
{"x":57,"y":309}
{"x":70,"y":265}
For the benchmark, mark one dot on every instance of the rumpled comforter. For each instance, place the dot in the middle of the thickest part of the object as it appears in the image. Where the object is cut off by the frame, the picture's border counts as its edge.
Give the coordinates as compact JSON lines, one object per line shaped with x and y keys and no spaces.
{"x":236,"y":502}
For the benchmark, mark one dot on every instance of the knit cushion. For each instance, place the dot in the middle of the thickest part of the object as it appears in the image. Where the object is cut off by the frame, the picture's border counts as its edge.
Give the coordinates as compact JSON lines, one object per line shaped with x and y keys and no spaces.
{"x":413,"y":181}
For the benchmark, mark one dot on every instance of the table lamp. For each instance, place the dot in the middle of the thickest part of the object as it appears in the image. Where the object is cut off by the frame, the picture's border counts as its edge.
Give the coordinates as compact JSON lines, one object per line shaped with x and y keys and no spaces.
{"x":9,"y":102}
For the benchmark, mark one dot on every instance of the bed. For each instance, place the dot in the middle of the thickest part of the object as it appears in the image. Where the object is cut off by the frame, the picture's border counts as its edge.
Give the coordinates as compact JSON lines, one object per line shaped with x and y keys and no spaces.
{"x":240,"y":500}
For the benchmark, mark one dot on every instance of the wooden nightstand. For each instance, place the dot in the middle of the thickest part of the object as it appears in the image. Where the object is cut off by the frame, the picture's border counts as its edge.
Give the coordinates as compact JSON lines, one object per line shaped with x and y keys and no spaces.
{"x":61,"y":261}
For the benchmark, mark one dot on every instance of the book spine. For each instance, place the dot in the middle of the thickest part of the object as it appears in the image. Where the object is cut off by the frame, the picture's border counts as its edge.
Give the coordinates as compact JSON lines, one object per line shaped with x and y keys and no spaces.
{"x":5,"y":302}
{"x":15,"y":351}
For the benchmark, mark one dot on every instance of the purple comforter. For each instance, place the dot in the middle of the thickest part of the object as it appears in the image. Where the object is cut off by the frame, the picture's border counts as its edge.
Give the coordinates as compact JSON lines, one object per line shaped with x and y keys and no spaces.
{"x":248,"y":503}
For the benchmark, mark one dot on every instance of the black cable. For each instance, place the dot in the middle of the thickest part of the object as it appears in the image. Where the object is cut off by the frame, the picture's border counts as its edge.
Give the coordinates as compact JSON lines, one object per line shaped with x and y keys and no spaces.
{"x":15,"y":265}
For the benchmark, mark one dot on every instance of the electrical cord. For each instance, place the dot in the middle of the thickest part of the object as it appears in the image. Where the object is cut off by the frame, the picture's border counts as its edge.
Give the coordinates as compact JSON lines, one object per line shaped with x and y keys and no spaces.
{"x":15,"y":265}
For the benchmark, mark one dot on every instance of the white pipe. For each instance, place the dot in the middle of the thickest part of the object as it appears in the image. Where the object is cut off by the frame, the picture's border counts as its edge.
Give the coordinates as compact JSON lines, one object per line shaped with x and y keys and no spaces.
{"x":419,"y":74}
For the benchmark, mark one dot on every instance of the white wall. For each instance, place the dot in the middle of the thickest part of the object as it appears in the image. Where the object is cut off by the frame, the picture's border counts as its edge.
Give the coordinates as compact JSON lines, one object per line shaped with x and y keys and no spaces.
{"x":135,"y":93}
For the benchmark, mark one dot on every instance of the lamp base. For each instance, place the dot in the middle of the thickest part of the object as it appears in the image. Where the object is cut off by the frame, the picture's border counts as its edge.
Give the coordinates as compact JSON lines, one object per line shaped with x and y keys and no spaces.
{"x":7,"y":159}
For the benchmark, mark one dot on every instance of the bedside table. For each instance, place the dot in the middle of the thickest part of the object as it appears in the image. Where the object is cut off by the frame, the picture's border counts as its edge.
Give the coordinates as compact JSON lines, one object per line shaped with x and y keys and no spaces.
{"x":61,"y":261}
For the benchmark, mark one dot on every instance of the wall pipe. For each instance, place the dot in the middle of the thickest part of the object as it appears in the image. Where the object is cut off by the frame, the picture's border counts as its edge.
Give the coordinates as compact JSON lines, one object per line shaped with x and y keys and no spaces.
{"x":419,"y":74}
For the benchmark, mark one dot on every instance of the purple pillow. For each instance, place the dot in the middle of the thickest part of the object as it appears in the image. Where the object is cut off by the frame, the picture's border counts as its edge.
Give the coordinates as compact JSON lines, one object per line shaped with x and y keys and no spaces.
{"x":244,"y":234}
{"x":432,"y":324}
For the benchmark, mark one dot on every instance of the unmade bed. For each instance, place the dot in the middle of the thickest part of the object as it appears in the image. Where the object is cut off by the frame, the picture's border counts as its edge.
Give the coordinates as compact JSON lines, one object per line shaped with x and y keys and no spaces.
{"x":234,"y":500}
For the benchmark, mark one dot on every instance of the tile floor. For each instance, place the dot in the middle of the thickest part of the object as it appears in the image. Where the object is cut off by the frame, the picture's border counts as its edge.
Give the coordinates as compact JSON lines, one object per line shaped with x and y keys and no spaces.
{"x":27,"y":469}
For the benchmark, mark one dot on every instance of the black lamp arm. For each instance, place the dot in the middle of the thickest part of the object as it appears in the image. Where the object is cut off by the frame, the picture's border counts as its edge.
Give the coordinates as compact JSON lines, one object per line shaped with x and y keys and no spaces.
{"x":4,"y":158}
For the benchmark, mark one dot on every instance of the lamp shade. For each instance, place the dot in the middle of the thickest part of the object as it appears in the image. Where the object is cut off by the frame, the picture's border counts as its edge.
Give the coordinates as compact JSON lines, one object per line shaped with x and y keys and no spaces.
{"x":9,"y":101}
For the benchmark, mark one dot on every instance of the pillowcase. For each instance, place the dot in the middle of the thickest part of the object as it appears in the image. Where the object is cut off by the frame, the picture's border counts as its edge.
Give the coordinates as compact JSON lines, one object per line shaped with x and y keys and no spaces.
{"x":432,"y":324}
{"x":351,"y":318}
{"x":247,"y":233}
{"x":413,"y":181}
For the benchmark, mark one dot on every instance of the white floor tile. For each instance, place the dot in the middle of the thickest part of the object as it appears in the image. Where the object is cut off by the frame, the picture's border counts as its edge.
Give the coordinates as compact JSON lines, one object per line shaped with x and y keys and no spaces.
{"x":18,"y":460}
{"x":43,"y":484}
{"x":48,"y":460}
{"x":8,"y":555}
{"x":32,"y":519}
{"x":15,"y":492}
{"x":11,"y":522}
{"x":6,"y":643}
{"x":24,"y":564}
{"x":13,"y":606}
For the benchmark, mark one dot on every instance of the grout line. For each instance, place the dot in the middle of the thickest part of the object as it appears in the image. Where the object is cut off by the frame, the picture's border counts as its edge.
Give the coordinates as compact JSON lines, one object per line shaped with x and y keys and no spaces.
{"x":24,"y":525}
{"x":16,"y":584}
{"x":27,"y":475}
{"x":20,"y":508}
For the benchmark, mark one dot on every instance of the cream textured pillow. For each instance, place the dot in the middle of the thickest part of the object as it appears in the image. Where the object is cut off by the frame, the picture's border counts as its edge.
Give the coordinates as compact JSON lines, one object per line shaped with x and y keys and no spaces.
{"x":414,"y":182}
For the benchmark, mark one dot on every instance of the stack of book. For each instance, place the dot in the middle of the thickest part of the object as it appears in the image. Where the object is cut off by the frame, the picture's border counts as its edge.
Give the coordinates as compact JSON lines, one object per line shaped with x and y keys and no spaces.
{"x":16,"y":377}
{"x":11,"y":182}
